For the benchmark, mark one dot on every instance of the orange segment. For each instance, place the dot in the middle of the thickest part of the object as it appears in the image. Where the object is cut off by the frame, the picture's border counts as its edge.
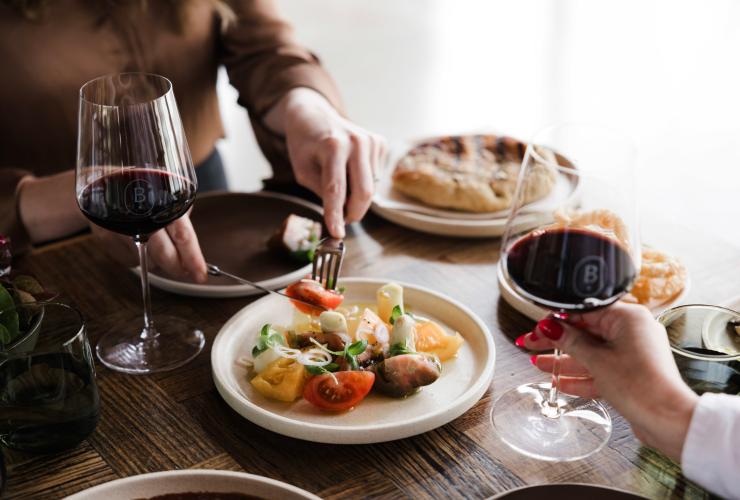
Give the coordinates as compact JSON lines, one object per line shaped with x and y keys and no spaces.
{"x":431,"y":338}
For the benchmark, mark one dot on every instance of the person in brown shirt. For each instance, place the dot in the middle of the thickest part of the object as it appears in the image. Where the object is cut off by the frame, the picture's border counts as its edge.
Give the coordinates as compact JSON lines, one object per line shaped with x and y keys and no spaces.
{"x":50,"y":48}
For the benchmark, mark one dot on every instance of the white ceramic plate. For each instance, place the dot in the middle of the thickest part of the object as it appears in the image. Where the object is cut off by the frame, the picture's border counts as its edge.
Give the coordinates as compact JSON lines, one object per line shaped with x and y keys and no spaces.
{"x":233,"y":229}
{"x":378,"y":418}
{"x":537,"y":313}
{"x":184,"y":481}
{"x":407,"y":212}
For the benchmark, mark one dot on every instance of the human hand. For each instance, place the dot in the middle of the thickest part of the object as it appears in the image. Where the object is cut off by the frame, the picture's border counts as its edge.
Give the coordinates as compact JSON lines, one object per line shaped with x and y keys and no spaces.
{"x":174,"y":250}
{"x":331,"y":156}
{"x":621,"y":354}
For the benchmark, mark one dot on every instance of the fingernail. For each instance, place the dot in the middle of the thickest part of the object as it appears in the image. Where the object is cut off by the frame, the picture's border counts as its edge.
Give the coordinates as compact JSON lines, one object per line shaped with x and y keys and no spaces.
{"x":533,"y":359}
{"x":533,"y":337}
{"x":550,"y":328}
{"x":338,"y":229}
{"x":519,"y":342}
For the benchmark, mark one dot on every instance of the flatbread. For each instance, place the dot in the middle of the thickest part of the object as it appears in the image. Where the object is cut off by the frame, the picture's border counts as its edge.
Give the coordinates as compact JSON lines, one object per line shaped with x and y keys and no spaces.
{"x":472,"y":173}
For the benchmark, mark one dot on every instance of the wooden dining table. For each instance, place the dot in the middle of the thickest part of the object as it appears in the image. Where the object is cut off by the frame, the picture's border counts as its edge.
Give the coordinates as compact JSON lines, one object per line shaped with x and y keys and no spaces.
{"x":177,"y":420}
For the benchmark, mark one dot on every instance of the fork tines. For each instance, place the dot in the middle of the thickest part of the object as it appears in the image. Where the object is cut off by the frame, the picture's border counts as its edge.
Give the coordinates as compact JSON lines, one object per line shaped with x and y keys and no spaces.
{"x":327,"y":262}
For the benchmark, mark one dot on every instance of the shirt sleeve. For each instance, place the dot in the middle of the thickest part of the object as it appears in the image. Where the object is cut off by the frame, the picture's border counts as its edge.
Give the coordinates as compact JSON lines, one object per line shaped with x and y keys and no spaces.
{"x":711,"y":453}
{"x":10,"y":221}
{"x":264,"y":62}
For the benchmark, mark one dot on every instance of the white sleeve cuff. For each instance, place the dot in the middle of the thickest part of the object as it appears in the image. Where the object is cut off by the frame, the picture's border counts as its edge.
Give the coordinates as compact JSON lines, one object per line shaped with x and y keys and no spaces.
{"x":711,"y":452}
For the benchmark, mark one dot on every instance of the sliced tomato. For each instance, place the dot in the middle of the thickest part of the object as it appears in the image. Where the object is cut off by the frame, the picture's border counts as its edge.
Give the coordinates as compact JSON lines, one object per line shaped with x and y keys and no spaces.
{"x":349,"y":389}
{"x":314,"y":293}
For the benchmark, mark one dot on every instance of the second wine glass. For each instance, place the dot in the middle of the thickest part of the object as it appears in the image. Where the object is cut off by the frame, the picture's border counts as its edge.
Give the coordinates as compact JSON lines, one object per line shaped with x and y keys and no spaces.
{"x":134,"y":177}
{"x":568,"y":254}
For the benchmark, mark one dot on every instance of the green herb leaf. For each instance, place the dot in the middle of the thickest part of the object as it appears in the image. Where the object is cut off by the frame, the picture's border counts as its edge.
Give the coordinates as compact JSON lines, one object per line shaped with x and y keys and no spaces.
{"x":322,"y":370}
{"x":341,"y":290}
{"x":400,"y":348}
{"x":395,"y":314}
{"x":5,"y":337}
{"x":357,"y":348}
{"x":268,"y":337}
{"x":315,"y":370}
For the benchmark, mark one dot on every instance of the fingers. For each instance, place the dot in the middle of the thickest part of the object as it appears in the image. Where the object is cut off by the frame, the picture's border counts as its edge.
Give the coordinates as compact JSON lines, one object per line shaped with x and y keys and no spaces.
{"x":578,"y":386}
{"x":163,"y":254}
{"x":579,"y":344}
{"x":607,"y":322}
{"x":568,"y":366}
{"x":334,"y":184}
{"x":535,"y":341}
{"x":379,"y":155}
{"x":185,"y":241}
{"x":362,"y":184}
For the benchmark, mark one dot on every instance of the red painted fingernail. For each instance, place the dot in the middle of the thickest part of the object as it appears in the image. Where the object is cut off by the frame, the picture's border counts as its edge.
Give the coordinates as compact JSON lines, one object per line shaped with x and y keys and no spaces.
{"x":519,"y":342}
{"x":533,"y":359}
{"x":550,"y":328}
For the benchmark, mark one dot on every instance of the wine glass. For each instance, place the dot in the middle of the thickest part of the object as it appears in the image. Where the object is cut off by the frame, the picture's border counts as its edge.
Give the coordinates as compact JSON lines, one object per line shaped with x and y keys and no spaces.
{"x":134,"y":177}
{"x":571,"y":245}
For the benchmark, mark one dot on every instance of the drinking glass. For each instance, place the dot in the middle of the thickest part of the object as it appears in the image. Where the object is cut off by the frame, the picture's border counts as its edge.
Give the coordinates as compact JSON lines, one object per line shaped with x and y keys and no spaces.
{"x":572,"y":250}
{"x":48,"y":397}
{"x":134,"y":177}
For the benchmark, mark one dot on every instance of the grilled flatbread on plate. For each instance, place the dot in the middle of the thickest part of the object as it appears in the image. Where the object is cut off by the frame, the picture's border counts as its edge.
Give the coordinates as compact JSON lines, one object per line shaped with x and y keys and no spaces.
{"x":471,"y":173}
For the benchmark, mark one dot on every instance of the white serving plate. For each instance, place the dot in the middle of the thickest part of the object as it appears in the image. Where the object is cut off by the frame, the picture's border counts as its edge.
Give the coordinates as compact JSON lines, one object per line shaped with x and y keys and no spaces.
{"x":184,"y":481}
{"x":537,"y":313}
{"x":378,"y":418}
{"x":414,"y":215}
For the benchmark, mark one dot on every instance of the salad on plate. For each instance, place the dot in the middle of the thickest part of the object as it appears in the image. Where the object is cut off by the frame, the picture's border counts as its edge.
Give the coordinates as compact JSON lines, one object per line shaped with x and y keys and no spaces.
{"x":336,"y":354}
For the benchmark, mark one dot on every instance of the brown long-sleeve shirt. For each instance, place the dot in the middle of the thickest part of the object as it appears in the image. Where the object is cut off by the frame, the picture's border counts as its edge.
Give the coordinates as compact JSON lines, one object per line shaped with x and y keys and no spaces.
{"x":44,"y":63}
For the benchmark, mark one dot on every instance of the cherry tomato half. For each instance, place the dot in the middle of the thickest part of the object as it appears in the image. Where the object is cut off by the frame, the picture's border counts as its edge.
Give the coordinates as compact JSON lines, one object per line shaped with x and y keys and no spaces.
{"x":349,"y":389}
{"x":314,"y":293}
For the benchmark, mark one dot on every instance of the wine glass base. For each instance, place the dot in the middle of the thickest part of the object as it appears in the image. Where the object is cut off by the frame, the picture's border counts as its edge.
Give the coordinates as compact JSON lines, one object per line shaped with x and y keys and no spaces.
{"x":582,"y":428}
{"x":124,"y":350}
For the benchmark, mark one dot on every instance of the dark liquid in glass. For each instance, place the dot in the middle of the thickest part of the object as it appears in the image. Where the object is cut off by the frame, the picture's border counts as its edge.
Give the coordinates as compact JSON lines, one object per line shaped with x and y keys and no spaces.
{"x":48,"y":402}
{"x":136,"y":201}
{"x":570,"y":269}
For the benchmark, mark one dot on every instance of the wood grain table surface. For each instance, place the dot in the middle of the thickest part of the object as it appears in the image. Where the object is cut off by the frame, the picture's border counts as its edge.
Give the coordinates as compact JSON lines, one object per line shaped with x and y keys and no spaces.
{"x":177,"y":420}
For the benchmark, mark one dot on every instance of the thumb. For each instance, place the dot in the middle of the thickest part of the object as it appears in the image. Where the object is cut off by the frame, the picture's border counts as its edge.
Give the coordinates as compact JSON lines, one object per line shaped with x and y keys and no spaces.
{"x":580,"y":345}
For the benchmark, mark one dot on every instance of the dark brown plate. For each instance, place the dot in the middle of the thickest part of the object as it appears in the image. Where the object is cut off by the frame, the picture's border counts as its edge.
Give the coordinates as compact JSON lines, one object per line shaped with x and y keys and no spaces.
{"x":568,"y":491}
{"x":233,"y":229}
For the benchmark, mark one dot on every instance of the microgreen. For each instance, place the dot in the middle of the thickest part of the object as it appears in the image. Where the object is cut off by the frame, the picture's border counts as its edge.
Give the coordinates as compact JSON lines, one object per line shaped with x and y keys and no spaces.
{"x":395,"y":314}
{"x":268,"y":338}
{"x":321,"y":370}
{"x":400,"y":348}
{"x":352,"y":351}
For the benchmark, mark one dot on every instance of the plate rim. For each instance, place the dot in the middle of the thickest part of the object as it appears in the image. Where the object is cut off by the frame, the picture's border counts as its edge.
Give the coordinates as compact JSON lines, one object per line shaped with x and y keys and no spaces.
{"x":465,"y":228}
{"x":101,"y":488}
{"x":502,"y":495}
{"x":215,"y":291}
{"x":475,"y":392}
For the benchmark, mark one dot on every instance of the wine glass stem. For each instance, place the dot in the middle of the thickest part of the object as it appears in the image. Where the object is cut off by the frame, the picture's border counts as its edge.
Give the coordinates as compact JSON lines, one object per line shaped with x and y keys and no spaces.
{"x":148,"y":332}
{"x":551,"y":408}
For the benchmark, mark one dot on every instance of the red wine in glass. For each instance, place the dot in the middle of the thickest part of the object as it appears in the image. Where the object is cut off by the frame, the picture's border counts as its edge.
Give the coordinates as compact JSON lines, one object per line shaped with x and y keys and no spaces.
{"x":136,"y":201}
{"x":569,"y":270}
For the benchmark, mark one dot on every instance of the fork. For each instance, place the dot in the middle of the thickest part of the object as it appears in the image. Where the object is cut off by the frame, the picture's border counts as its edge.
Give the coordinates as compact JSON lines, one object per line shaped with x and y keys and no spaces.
{"x":327,"y":262}
{"x":214,"y":270}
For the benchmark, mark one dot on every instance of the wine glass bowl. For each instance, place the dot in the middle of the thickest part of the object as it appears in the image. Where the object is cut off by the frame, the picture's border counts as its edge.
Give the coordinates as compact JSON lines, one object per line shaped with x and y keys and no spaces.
{"x":568,"y":258}
{"x":135,"y":176}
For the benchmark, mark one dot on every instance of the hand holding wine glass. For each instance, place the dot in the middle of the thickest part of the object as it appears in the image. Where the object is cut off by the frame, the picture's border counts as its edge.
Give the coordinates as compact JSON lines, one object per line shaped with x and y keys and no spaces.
{"x":568,"y":255}
{"x":622,"y":354}
{"x":135,"y":177}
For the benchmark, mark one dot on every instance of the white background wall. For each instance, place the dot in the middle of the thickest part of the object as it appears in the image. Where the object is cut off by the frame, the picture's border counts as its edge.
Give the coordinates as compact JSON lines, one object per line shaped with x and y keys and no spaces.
{"x":665,"y":70}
